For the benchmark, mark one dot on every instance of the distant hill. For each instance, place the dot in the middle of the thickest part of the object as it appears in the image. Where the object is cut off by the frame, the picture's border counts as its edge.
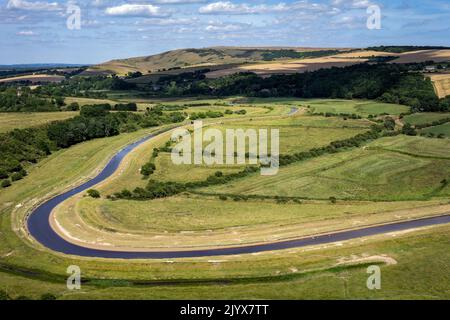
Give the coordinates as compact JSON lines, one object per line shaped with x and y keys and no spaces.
{"x":39,"y":66}
{"x":184,"y":58}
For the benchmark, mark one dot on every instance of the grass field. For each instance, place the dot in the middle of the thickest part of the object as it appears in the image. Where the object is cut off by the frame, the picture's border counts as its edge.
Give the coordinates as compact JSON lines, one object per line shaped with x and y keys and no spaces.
{"x":424,"y":118}
{"x":84,"y":101}
{"x":363,"y":108}
{"x":378,"y":172}
{"x":438,"y":130}
{"x":416,"y":269}
{"x":414,"y":264}
{"x":20,"y":120}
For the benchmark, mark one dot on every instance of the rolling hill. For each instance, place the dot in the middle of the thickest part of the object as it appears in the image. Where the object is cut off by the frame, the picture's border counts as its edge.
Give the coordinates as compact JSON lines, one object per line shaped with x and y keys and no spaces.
{"x":183,"y":58}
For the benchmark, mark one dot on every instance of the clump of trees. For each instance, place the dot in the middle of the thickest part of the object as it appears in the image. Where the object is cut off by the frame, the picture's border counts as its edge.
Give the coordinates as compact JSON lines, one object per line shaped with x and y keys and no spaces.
{"x":93,"y":193}
{"x":204,"y":115}
{"x":13,"y":99}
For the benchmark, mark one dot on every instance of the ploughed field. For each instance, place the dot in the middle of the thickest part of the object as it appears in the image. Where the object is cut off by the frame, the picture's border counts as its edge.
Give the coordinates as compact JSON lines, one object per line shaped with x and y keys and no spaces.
{"x":383,"y":180}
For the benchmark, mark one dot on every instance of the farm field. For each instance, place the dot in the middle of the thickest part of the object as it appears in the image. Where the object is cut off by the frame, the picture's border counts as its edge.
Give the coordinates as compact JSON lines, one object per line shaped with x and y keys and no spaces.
{"x":424,"y":118}
{"x":441,"y":84}
{"x":20,"y":120}
{"x":443,"y":129}
{"x":34,"y":78}
{"x":362,"y":108}
{"x":337,"y":60}
{"x":84,"y":101}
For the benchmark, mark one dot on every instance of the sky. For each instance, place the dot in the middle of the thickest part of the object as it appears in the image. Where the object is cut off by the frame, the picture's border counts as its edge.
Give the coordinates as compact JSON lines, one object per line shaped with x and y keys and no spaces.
{"x":94,"y":31}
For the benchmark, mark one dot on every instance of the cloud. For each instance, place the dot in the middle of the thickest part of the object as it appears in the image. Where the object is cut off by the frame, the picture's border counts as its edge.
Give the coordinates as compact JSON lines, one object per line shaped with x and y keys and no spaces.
{"x":136,"y":10}
{"x":353,"y":4}
{"x":167,"y":22}
{"x":221,"y":27}
{"x":26,"y":33}
{"x":178,"y":1}
{"x":227,"y":7}
{"x":32,"y":6}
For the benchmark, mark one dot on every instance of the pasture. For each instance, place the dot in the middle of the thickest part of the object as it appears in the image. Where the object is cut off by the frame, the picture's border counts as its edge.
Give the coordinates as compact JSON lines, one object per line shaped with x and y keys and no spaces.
{"x":424,"y":118}
{"x":359,"y":107}
{"x":376,"y":172}
{"x":443,"y":129}
{"x":20,"y":120}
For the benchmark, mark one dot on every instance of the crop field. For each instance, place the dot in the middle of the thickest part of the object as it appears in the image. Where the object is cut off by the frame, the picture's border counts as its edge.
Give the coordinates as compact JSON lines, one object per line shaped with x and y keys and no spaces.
{"x":389,"y":179}
{"x":19,"y":120}
{"x":338,"y":60}
{"x":441,"y":84}
{"x":34,"y":78}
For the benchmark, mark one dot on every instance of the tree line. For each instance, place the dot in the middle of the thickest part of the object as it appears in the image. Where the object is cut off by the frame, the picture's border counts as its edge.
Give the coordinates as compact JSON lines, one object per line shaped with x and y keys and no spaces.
{"x":390,"y":83}
{"x":21,"y":146}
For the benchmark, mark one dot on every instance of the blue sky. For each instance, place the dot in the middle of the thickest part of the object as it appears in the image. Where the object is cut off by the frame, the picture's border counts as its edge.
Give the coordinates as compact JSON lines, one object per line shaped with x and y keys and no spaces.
{"x":35,"y":31}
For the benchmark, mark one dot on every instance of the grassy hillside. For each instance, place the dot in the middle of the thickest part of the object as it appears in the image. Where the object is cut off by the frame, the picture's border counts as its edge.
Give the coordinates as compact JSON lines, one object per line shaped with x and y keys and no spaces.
{"x":205,"y":57}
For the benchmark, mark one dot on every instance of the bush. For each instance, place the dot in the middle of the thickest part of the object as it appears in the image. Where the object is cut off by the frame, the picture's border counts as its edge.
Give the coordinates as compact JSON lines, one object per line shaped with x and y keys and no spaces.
{"x":148,"y":169}
{"x":222,"y":197}
{"x":74,"y":106}
{"x":16,"y":176}
{"x":5,"y":183}
{"x":93,"y":193}
{"x":48,"y":296}
{"x":3,"y":174}
{"x":333,"y":200}
{"x":4,"y":295}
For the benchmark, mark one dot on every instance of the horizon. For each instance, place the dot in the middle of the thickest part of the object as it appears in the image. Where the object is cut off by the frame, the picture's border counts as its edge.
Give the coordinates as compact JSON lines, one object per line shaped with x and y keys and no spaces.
{"x":118,"y":29}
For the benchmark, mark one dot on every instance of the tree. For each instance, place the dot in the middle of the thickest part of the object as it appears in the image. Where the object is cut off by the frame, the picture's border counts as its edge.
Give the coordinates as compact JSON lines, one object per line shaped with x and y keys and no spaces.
{"x":93,"y":193}
{"x":409,"y":130}
{"x":16,"y":176}
{"x":389,"y":123}
{"x":5,"y":183}
{"x":74,"y":106}
{"x":3,"y":174}
{"x":48,"y":296}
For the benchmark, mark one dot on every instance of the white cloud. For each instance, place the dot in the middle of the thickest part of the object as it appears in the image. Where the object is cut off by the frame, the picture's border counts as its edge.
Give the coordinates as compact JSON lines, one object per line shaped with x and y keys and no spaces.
{"x":167,"y":22}
{"x":227,"y":7}
{"x":33,"y":6}
{"x":178,"y":1}
{"x":220,"y":27}
{"x":354,"y":4}
{"x":135,"y":10}
{"x":26,"y":33}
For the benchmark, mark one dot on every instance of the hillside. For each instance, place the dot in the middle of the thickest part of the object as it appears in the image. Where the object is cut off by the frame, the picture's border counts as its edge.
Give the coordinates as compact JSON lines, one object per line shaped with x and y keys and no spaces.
{"x":208,"y":56}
